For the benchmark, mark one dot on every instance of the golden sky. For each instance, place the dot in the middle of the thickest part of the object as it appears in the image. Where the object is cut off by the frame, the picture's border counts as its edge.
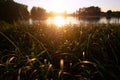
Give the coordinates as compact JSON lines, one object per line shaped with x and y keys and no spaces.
{"x":71,"y":5}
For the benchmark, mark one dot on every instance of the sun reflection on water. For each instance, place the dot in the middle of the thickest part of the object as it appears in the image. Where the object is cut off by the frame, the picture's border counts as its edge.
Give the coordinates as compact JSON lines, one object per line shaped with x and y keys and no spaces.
{"x":57,"y":20}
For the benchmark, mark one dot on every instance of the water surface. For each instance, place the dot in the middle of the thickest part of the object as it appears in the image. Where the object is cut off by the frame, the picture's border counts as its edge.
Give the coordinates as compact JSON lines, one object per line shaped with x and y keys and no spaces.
{"x":60,"y":21}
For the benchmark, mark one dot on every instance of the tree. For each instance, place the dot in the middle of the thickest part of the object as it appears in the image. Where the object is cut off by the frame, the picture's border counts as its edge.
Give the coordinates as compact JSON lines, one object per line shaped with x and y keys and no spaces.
{"x":89,"y":11}
{"x":109,"y":13}
{"x":5,"y":0}
{"x":11,"y":11}
{"x":38,"y":13}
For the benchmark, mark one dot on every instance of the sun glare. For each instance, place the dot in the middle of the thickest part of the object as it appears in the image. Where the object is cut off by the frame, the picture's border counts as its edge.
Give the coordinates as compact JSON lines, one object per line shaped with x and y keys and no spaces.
{"x":60,"y":6}
{"x":59,"y":21}
{"x":57,"y":6}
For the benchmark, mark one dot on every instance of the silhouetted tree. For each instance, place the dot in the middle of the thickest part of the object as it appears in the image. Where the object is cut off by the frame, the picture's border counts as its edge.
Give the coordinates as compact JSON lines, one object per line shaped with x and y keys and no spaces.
{"x":10,"y":10}
{"x":89,"y":11}
{"x":38,"y":13}
{"x":116,"y":14}
{"x":109,"y":13}
{"x":5,"y":0}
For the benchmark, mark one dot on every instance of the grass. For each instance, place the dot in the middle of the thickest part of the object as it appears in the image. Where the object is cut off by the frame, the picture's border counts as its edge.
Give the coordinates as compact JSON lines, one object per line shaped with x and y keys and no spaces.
{"x":42,"y":52}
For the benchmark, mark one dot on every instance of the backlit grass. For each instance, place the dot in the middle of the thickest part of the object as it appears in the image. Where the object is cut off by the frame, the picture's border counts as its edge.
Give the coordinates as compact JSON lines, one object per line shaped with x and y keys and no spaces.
{"x":70,"y":52}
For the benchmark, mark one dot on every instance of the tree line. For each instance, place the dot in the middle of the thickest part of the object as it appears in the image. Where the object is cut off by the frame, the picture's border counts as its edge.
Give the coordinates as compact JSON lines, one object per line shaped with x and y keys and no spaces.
{"x":11,"y":11}
{"x":95,"y":12}
{"x":88,"y":11}
{"x":110,"y":13}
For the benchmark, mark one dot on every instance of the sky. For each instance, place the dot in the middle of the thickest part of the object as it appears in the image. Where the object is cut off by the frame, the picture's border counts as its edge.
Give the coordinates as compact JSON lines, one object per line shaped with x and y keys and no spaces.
{"x":71,"y":5}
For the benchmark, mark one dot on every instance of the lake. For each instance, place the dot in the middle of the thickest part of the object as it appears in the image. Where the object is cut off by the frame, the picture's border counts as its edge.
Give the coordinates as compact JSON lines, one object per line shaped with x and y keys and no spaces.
{"x":60,"y":21}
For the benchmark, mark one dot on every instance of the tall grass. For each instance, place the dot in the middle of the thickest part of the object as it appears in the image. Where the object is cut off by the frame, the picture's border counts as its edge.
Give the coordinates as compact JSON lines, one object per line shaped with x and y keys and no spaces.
{"x":46,"y":52}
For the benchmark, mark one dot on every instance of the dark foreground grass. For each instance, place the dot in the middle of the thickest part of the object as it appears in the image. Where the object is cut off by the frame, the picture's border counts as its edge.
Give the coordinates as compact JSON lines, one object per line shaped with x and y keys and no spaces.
{"x":42,"y":52}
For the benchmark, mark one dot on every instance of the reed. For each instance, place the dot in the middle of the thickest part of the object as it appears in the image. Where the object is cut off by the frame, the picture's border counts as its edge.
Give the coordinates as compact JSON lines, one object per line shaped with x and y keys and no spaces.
{"x":46,"y":52}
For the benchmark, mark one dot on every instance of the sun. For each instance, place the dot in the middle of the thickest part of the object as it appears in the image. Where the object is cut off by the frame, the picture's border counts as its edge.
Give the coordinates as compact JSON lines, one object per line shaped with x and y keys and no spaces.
{"x":59,"y":21}
{"x":58,"y":6}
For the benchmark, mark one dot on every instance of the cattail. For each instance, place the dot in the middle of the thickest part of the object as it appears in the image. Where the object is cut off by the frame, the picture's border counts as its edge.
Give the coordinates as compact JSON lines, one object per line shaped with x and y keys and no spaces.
{"x":45,"y":61}
{"x":83,"y":55}
{"x":70,"y":64}
{"x":19,"y":71}
{"x":61,"y":64}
